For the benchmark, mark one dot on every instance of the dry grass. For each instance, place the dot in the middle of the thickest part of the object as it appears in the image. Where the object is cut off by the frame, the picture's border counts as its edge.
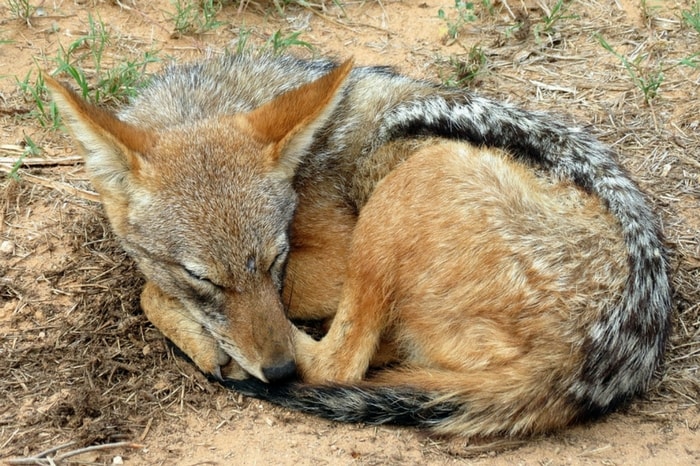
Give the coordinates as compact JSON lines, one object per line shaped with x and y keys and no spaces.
{"x":80,"y":362}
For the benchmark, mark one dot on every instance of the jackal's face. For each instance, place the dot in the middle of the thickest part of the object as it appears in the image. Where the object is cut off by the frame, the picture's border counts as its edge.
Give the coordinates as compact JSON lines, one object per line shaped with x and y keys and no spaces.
{"x":205,"y":208}
{"x":211,"y":230}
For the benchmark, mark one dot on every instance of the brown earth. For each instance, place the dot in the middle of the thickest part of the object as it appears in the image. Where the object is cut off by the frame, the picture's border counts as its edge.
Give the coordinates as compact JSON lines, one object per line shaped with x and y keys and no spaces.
{"x":79,"y":362}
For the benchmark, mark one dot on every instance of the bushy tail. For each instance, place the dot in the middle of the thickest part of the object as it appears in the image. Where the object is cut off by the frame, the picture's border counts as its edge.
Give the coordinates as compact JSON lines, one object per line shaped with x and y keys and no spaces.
{"x":368,"y":404}
{"x":474,"y":403}
{"x":625,"y":347}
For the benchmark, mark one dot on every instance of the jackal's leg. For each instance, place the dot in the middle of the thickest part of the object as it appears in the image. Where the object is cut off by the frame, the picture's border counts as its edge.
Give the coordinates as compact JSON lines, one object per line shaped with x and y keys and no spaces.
{"x":177,"y":324}
{"x":352,"y":343}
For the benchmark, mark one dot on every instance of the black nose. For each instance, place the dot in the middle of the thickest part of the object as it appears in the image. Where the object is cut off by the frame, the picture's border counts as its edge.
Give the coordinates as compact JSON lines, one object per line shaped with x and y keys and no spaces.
{"x":281,"y":372}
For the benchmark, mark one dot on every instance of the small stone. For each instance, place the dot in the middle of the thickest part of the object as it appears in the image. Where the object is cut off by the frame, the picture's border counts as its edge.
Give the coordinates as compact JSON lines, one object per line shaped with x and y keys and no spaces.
{"x":7,"y":247}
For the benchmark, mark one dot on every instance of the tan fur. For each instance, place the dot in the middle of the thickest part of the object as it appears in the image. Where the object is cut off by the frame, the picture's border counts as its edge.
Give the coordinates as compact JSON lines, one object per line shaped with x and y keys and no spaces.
{"x":320,"y":235}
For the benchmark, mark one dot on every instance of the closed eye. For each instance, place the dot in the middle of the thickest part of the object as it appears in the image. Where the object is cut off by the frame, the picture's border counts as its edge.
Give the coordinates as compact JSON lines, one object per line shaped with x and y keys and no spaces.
{"x":200,"y":278}
{"x":278,"y":261}
{"x":274,"y":262}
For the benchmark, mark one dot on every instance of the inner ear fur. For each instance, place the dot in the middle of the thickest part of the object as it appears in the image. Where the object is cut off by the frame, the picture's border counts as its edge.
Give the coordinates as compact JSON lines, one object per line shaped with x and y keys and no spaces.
{"x":113,"y":149}
{"x":289,"y":121}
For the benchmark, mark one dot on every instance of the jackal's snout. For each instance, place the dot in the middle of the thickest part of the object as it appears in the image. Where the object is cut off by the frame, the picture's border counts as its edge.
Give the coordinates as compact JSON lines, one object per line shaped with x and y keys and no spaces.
{"x":280,"y":372}
{"x":275,"y":352}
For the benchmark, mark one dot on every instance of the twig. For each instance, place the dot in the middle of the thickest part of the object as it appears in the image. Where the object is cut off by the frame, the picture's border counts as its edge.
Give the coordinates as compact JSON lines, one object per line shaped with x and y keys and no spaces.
{"x":43,"y":458}
{"x":14,"y":111}
{"x":28,"y":460}
{"x":16,"y":430}
{"x":339,"y":24}
{"x":550,"y":87}
{"x":104,"y":446}
{"x":54,"y":449}
{"x":505,"y":4}
{"x":146,"y":430}
{"x":40,"y":458}
{"x":65,"y":187}
{"x":41,"y":162}
{"x":12,"y":149}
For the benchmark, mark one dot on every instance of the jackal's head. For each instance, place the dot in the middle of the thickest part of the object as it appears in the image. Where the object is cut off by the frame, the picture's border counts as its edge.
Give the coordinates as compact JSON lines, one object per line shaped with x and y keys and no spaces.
{"x":205,"y":208}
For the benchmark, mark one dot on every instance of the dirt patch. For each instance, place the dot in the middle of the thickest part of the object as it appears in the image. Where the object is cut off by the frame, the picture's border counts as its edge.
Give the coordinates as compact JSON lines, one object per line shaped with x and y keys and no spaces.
{"x":80,"y":364}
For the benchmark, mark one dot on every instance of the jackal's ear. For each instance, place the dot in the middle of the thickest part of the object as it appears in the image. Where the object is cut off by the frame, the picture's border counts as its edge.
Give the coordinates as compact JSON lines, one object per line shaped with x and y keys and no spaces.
{"x":289,"y":121}
{"x":113,"y":150}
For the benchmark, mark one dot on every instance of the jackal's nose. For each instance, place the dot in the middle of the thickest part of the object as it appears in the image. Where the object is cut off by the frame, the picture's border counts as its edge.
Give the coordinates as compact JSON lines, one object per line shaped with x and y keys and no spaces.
{"x":278,"y":373}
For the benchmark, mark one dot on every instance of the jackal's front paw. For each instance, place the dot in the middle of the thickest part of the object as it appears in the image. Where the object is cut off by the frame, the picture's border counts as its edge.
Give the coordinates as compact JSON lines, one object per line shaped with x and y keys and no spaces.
{"x":316,"y":363}
{"x":327,"y":360}
{"x":209,"y":358}
{"x":233,"y":371}
{"x":173,"y":319}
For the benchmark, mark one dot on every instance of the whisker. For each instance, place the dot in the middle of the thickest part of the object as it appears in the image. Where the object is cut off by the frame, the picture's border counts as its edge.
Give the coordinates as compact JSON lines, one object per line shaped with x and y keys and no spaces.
{"x":288,"y":304}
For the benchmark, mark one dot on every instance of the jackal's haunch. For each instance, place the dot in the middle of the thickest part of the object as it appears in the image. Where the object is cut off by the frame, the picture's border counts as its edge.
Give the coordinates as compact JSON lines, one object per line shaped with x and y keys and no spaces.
{"x":496,"y":269}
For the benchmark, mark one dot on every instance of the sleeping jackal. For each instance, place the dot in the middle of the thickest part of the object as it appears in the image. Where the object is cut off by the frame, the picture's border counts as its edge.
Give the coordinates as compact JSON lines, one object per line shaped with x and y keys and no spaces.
{"x":489,"y":291}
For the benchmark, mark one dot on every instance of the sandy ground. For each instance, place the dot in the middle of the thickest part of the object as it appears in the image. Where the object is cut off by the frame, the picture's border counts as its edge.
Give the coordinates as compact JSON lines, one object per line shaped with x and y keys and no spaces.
{"x":79,"y":362}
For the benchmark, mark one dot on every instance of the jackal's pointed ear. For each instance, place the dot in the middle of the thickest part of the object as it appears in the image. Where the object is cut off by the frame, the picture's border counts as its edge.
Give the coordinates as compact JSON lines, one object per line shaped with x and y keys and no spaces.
{"x":113,"y":150}
{"x":289,"y":121}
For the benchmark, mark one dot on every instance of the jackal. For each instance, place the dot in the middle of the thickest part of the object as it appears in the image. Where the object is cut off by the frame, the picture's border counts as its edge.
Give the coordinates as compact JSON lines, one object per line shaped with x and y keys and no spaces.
{"x":487,"y":269}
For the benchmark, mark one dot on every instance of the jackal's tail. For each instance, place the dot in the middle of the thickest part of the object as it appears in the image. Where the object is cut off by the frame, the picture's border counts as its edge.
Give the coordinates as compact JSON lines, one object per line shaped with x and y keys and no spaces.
{"x":368,"y":404}
{"x":444,"y":402}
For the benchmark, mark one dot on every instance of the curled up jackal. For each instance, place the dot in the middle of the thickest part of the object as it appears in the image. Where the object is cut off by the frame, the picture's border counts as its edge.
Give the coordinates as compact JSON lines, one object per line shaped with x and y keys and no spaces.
{"x":483,"y":269}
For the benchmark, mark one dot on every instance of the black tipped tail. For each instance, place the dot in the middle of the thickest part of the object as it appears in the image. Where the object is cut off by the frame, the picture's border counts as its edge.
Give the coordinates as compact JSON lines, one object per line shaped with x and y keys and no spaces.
{"x":352,"y":404}
{"x":369,"y":404}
